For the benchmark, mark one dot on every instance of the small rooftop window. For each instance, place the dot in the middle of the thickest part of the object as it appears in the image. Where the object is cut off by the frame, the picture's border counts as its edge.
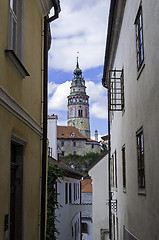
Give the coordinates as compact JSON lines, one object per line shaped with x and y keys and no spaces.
{"x":72,"y":134}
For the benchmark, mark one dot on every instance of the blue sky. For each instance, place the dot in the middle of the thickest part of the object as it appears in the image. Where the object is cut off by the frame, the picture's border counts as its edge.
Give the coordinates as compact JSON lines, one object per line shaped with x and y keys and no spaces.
{"x":80,"y":28}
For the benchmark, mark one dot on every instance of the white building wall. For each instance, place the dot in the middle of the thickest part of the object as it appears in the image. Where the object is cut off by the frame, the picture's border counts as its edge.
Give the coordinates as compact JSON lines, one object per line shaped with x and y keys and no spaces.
{"x":52,"y":134}
{"x":138,"y":211}
{"x":99,"y":175}
{"x":66,"y":222}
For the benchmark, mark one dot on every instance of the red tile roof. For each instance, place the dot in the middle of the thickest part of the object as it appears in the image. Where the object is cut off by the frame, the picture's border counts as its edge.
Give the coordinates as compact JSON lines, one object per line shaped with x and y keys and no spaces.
{"x":86,"y":185}
{"x":68,"y":131}
{"x":52,"y":117}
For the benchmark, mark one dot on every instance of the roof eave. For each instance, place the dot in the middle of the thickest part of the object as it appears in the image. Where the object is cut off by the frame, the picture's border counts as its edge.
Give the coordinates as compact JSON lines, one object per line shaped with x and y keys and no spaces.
{"x":114,"y":25}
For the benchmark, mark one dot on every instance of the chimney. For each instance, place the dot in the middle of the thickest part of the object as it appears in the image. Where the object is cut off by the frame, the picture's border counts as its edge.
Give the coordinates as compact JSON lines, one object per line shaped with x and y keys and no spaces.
{"x":96,"y":135}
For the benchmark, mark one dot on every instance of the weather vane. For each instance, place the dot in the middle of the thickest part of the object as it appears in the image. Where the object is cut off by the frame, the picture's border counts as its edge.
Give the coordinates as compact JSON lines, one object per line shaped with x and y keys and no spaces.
{"x":77,"y":54}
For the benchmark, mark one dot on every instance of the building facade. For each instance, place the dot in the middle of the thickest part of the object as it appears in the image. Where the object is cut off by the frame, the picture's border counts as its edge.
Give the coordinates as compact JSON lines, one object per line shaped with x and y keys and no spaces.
{"x":100,"y":196}
{"x":52,"y":136}
{"x":71,"y":141}
{"x":78,"y":104}
{"x":86,"y":216}
{"x":68,"y":193}
{"x":21,"y":54}
{"x":131,"y":76}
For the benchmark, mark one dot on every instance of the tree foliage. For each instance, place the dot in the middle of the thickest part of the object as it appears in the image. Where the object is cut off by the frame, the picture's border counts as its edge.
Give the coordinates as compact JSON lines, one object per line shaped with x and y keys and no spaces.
{"x":81,"y":163}
{"x":54,"y":172}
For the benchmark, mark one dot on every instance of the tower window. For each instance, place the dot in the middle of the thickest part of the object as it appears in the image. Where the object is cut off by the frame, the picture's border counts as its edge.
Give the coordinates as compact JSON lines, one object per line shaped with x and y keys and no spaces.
{"x":80,"y":113}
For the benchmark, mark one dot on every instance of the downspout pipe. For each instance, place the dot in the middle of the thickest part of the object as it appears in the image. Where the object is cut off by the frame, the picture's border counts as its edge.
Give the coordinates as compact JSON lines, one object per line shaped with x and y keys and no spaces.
{"x":109,"y":171}
{"x":47,"y":20}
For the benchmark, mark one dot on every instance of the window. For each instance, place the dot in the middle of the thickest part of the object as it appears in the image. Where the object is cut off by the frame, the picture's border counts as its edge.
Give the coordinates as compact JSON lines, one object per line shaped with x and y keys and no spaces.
{"x":84,"y":228}
{"x":115,"y":156}
{"x":116,"y":90}
{"x":112,"y":171}
{"x":70,"y":193}
{"x":62,"y":153}
{"x":140,"y":158}
{"x":139,"y":38}
{"x":92,"y":145}
{"x":16,"y":190}
{"x":66,"y":193}
{"x":62,"y":144}
{"x":16,"y":22}
{"x":80,"y":113}
{"x":74,"y":144}
{"x":113,"y":227}
{"x":74,"y":192}
{"x":117,"y":229}
{"x":15,"y":48}
{"x":124,"y":166}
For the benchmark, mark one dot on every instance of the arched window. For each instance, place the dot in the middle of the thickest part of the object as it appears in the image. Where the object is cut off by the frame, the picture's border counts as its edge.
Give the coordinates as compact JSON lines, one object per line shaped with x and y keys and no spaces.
{"x":80,"y":113}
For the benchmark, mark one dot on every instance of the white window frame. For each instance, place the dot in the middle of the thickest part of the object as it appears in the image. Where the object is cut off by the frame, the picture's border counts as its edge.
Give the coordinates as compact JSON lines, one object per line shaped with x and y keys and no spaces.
{"x":15,"y":45}
{"x":15,"y":36}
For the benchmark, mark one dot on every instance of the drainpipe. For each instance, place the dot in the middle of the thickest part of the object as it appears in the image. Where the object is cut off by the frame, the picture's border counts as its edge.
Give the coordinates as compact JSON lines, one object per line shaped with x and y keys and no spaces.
{"x":109,"y":173}
{"x":109,"y":170}
{"x":47,"y":20}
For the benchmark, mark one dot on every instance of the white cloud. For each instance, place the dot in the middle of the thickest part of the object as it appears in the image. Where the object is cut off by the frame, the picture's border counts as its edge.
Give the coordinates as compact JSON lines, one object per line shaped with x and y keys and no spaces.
{"x":95,"y":91}
{"x":99,"y":109}
{"x":80,"y":27}
{"x":52,"y":87}
{"x":61,"y":123}
{"x":58,"y":101}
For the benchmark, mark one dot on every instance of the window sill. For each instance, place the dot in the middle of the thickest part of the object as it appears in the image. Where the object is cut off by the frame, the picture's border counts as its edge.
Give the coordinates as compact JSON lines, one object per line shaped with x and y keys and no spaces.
{"x":14,"y":60}
{"x":140,"y":70}
{"x":142,"y":192}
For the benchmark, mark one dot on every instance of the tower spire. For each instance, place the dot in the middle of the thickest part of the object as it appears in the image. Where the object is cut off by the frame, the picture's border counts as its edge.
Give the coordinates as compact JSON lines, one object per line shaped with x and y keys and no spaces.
{"x":77,"y":66}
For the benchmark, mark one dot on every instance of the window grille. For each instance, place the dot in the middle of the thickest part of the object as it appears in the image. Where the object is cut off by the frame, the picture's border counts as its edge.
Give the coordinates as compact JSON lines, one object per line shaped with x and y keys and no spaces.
{"x":116,"y":90}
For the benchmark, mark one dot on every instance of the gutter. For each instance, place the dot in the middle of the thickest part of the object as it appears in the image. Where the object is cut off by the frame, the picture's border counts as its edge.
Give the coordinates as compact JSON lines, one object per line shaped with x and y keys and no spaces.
{"x":114,"y":26}
{"x":47,"y":20}
{"x":108,"y":44}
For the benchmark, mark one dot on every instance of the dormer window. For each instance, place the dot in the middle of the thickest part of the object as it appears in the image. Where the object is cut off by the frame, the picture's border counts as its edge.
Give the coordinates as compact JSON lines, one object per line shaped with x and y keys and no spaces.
{"x":72,"y":134}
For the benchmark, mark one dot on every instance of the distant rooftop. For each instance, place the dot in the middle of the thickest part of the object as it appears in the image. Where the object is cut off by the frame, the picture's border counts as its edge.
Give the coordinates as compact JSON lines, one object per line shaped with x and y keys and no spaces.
{"x":86,"y":185}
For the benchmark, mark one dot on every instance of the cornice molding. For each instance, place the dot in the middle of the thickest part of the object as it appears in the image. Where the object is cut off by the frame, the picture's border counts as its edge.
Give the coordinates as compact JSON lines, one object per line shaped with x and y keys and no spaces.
{"x":116,"y":13}
{"x":13,"y":107}
{"x":45,"y":6}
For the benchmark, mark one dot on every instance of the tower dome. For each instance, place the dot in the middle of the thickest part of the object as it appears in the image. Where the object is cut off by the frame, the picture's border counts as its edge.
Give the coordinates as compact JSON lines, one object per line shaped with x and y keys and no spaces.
{"x":77,"y":71}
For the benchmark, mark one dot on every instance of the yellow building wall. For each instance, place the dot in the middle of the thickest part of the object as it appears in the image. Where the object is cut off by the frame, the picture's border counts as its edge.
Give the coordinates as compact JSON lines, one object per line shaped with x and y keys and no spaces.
{"x":31,"y":176}
{"x":27,"y":93}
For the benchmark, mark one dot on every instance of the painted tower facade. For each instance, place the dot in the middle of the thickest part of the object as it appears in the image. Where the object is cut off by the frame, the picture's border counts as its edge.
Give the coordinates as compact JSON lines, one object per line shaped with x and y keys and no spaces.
{"x":78,"y":104}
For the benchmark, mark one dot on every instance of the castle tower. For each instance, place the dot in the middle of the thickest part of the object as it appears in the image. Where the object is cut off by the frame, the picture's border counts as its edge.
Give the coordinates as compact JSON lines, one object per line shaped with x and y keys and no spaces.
{"x":78,"y":104}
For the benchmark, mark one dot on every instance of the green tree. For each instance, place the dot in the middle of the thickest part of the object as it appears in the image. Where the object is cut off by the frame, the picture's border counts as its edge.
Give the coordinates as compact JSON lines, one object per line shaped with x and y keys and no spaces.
{"x":54,"y":173}
{"x":81,"y":163}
